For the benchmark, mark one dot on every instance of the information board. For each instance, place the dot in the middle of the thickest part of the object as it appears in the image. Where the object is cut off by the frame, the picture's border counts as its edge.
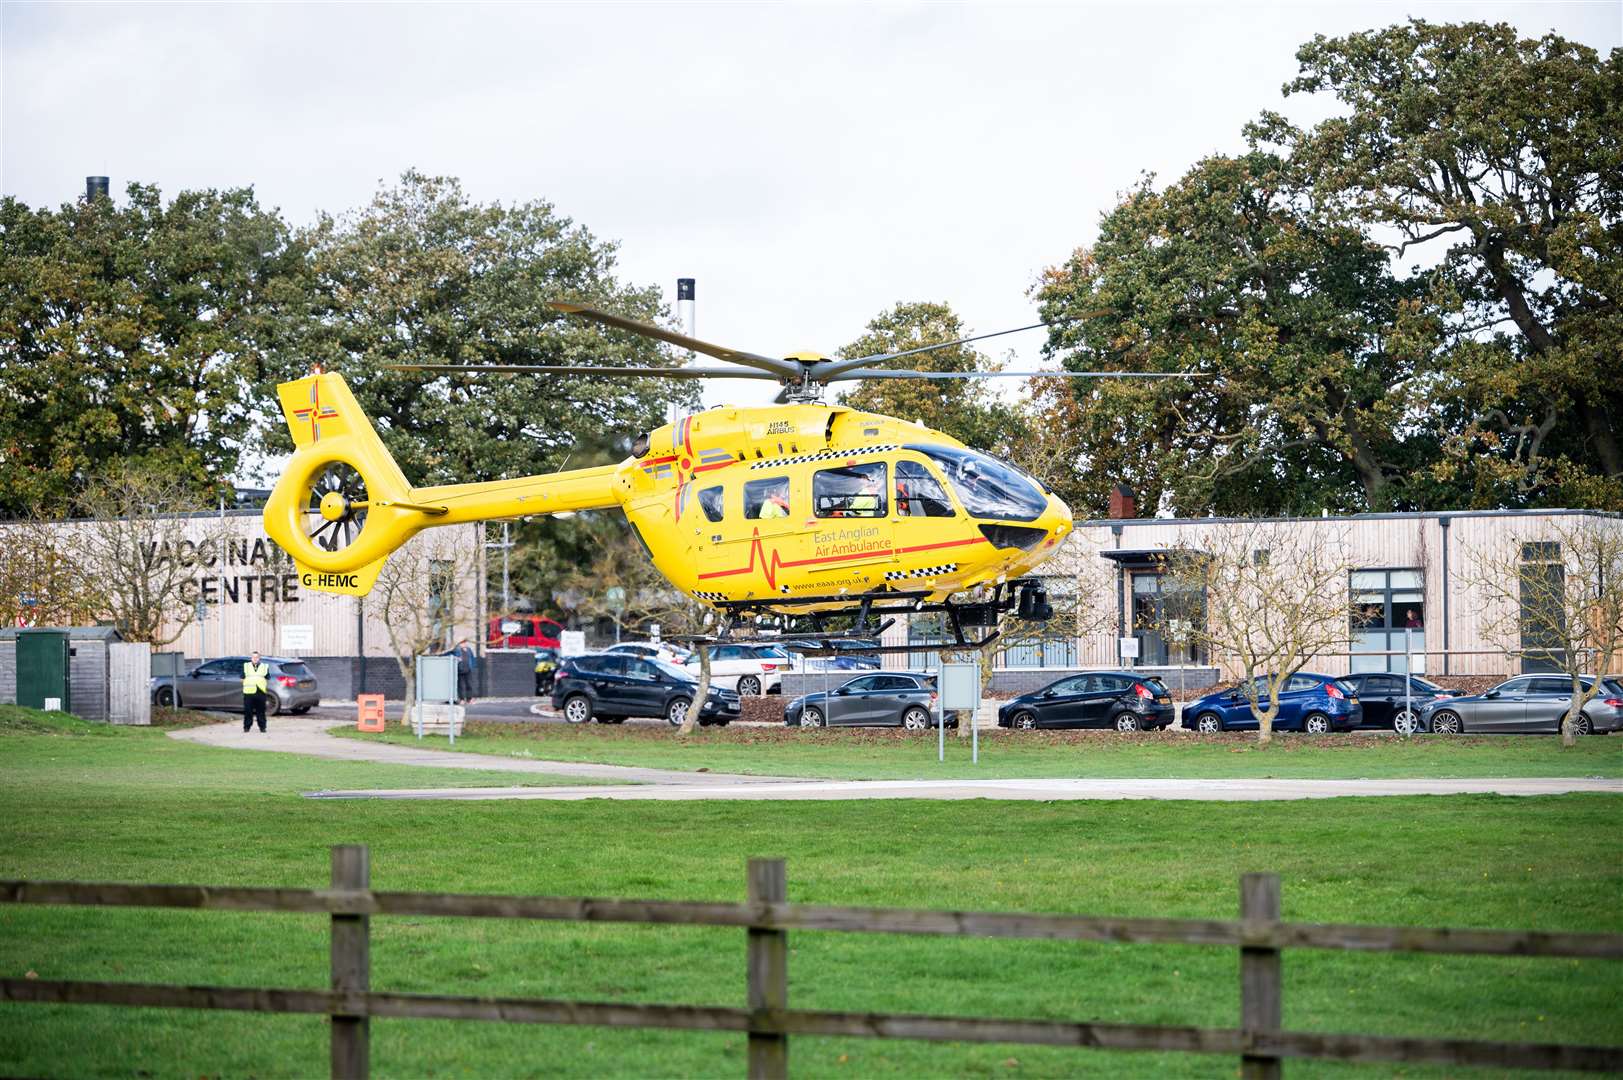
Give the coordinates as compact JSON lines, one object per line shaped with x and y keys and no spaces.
{"x":572,"y":643}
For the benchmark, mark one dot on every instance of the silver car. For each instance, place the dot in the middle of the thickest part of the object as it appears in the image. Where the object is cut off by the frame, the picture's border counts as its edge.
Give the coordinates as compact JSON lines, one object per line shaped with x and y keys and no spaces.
{"x":1527,"y":703}
{"x":885,"y":699}
{"x":217,"y":684}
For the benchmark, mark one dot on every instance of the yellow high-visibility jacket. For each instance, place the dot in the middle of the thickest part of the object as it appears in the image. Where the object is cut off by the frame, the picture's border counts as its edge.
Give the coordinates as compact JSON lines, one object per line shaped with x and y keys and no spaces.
{"x":255,"y":680}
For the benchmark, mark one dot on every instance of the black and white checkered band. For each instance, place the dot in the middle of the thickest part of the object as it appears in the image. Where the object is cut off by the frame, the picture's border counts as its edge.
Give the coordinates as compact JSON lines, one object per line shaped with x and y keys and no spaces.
{"x":921,"y":572}
{"x":823,"y":455}
{"x":702,"y":594}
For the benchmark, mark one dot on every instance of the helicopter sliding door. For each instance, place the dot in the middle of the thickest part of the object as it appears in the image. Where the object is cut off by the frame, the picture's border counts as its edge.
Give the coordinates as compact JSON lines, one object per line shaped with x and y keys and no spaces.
{"x":743,"y":549}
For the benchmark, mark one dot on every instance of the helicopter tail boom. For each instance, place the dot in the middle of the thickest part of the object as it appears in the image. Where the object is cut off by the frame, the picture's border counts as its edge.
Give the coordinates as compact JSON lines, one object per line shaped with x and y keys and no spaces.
{"x":342,"y":505}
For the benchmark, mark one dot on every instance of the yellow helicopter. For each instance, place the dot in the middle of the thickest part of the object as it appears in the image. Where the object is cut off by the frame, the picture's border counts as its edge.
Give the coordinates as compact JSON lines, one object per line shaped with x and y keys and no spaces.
{"x":793,"y":509}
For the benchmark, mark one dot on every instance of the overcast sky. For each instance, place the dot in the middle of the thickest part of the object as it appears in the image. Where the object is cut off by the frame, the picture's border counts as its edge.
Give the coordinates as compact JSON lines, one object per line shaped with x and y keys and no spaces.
{"x":810,"y":165}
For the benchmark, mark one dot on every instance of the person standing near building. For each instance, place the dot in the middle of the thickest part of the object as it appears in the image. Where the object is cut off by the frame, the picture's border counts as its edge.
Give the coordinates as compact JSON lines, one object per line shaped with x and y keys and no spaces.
{"x":255,"y":685}
{"x":467,"y":664}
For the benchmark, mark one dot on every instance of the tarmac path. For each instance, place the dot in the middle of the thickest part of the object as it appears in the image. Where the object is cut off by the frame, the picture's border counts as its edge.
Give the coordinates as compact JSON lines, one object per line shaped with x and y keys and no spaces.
{"x":308,"y":735}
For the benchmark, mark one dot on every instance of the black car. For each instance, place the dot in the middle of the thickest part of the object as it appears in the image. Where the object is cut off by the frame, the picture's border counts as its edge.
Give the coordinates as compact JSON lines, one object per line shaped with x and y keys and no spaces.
{"x":1385,"y":705}
{"x":613,"y":686}
{"x":888,"y":699}
{"x":1120,"y":699}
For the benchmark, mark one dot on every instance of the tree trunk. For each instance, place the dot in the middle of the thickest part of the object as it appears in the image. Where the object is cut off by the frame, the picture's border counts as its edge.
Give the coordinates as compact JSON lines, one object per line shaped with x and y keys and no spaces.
{"x":411,"y":694}
{"x":691,"y":721}
{"x":1265,"y":728}
{"x":1569,"y":733}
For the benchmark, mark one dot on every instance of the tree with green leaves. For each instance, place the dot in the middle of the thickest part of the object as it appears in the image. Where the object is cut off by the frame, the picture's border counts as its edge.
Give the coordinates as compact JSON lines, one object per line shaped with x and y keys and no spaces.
{"x":1307,"y":350}
{"x":426,"y":275}
{"x":966,"y":409}
{"x":135,"y":332}
{"x":1497,"y":161}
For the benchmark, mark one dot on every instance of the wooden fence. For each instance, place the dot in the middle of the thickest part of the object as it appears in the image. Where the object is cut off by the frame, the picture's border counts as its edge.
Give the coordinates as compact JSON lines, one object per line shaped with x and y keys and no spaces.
{"x":766,"y":916}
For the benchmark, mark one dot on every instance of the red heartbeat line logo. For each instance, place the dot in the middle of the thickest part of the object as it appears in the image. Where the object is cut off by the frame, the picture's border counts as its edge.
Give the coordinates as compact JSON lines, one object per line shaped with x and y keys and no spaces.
{"x":771,"y":566}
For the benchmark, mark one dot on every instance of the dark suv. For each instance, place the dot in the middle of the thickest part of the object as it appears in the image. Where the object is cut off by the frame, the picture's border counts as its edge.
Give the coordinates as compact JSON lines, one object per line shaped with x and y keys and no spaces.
{"x":1119,"y":699}
{"x":613,"y":686}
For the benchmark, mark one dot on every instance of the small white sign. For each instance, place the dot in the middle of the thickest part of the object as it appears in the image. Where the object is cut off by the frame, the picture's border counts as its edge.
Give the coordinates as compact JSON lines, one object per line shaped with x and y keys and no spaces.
{"x":653,"y":632}
{"x":511,"y":627}
{"x":572,"y":643}
{"x":1129,"y":648}
{"x":960,"y":687}
{"x":298,"y":636}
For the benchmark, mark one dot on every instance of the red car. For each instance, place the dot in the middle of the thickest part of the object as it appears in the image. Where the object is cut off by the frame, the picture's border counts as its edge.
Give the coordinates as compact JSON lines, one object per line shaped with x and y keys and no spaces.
{"x":535,"y":632}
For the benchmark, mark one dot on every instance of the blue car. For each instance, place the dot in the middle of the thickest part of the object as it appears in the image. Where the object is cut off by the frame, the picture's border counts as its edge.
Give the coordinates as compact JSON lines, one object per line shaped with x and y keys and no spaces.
{"x":1311,"y":703}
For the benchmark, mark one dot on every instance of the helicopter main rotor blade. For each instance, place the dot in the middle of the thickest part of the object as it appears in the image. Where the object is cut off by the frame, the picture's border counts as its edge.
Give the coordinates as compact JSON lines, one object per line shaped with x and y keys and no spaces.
{"x":886,"y":373}
{"x":585,"y":369}
{"x":778,"y":367}
{"x":827,"y":370}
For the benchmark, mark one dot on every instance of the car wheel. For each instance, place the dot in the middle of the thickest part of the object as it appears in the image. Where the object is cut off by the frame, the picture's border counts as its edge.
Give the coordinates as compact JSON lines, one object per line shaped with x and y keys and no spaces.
{"x":676,"y":713}
{"x":166,"y":696}
{"x":1026,"y":721}
{"x":1208,"y":723}
{"x":578,"y":709}
{"x":915,"y":719}
{"x":1581,"y":724}
{"x":811,"y":716}
{"x":273,"y":707}
{"x":1126,"y":722}
{"x":1446,"y":722}
{"x":749,"y":686}
{"x":1406,"y":722}
{"x":1316,"y":723}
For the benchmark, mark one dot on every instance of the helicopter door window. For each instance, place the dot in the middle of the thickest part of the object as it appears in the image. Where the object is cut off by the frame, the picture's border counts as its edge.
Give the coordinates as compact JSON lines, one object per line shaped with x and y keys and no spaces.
{"x":767,"y":498}
{"x":710,"y":503}
{"x":919,"y":494}
{"x":850,"y":491}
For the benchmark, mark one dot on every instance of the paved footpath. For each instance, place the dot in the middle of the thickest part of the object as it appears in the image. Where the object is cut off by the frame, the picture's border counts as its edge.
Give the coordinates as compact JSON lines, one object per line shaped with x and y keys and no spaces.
{"x":308,"y":735}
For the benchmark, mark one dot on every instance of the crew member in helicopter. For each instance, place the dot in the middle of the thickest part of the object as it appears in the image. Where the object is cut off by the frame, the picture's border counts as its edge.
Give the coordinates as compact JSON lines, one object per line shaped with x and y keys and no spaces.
{"x":775,"y":505}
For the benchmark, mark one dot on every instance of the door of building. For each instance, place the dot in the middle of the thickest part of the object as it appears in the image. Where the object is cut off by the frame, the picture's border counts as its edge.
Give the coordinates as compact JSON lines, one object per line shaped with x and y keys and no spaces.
{"x":42,"y":668}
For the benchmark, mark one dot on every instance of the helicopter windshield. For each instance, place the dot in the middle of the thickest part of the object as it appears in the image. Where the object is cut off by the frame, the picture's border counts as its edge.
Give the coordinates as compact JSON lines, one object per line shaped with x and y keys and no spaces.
{"x":988,"y":487}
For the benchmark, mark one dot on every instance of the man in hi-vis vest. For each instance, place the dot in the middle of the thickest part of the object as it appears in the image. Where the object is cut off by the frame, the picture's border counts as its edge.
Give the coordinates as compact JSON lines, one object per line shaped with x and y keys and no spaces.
{"x":255,"y":685}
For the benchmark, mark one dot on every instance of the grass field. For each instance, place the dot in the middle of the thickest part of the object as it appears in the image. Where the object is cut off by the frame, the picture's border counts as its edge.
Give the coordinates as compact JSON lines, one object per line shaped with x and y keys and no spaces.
{"x":133,"y":806}
{"x":890,"y":754}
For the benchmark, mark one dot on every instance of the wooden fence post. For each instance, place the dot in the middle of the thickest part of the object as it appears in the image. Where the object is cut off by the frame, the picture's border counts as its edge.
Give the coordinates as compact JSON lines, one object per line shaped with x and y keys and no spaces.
{"x":351,"y":964}
{"x":1260,"y":984}
{"x":768,"y":960}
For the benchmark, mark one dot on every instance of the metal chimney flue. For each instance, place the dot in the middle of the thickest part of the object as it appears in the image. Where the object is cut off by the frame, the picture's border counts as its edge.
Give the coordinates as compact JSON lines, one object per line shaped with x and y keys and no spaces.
{"x":95,"y":188}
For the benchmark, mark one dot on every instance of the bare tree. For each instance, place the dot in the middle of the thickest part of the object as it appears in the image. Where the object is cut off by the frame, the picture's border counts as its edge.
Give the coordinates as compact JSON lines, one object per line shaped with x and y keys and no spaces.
{"x":40,"y":584}
{"x":1276,"y":595}
{"x":1553,"y":595}
{"x":138,"y":551}
{"x":416,"y":598}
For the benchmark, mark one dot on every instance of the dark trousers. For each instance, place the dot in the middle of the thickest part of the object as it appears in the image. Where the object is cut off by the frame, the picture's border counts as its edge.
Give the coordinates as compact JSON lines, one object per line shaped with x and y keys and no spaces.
{"x":464,"y":686}
{"x":253,"y":708}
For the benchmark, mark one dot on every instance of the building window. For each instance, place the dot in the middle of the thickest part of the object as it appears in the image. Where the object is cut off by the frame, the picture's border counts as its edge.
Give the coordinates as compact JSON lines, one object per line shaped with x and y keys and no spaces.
{"x":1543,"y":607}
{"x":1386,"y":606}
{"x":1166,"y":620}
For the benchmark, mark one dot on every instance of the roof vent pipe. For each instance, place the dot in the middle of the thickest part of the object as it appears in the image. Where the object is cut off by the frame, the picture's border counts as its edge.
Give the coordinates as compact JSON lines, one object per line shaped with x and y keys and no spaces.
{"x":95,"y":188}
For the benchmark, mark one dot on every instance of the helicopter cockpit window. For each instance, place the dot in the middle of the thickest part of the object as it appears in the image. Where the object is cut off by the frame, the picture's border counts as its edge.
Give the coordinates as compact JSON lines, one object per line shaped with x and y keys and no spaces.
{"x":918,"y":494}
{"x":710,"y":503}
{"x":850,"y":491}
{"x":987,"y":487}
{"x":767,"y":498}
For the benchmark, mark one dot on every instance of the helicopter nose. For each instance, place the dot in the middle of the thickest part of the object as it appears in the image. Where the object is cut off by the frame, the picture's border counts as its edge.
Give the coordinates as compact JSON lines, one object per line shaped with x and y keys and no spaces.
{"x":1057,"y":521}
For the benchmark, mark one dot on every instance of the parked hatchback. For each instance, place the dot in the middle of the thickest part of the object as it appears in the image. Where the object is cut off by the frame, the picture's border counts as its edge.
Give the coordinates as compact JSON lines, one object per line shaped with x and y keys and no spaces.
{"x":1527,"y":703}
{"x":613,"y":686}
{"x":1311,"y":703}
{"x":1119,"y":699}
{"x":887,"y":699}
{"x":1388,"y":704}
{"x":749,"y":669}
{"x":217,"y":684}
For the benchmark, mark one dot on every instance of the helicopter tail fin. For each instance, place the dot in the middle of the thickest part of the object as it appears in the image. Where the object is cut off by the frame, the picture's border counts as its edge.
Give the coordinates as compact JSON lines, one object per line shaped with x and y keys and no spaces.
{"x":342,"y":504}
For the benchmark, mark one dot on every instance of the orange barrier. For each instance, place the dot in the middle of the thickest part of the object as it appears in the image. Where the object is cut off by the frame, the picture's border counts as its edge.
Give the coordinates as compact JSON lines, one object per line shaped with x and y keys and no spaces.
{"x":369,"y":712}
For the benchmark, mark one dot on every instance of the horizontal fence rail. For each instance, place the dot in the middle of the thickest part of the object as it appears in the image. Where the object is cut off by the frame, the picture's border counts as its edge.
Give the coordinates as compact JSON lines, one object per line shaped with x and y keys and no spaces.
{"x":768,"y":1021}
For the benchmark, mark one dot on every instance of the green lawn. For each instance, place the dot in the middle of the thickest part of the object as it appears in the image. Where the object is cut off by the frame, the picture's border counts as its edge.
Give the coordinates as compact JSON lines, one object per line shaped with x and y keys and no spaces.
{"x":133,"y":806}
{"x":889,"y":754}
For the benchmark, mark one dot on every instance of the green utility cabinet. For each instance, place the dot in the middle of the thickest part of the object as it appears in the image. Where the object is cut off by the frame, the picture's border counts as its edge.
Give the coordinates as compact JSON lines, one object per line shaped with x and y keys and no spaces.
{"x":42,"y":668}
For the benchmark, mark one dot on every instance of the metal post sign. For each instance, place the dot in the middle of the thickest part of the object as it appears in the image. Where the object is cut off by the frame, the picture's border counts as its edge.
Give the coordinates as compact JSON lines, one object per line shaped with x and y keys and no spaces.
{"x":572,"y":643}
{"x":961,"y":693}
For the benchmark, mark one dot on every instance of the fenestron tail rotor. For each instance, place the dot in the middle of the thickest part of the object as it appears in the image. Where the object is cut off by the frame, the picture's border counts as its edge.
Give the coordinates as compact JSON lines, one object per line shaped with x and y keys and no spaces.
{"x":338,"y":503}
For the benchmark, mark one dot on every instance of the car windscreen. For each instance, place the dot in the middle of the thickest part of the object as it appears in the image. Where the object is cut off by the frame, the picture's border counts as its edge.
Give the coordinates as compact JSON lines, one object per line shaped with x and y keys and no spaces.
{"x":1421,"y":684}
{"x":987,"y":487}
{"x":1156,"y":686}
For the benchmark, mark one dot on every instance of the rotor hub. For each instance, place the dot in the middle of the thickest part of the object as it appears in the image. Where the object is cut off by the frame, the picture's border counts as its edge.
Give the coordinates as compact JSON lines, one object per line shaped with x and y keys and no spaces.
{"x":334,"y":506}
